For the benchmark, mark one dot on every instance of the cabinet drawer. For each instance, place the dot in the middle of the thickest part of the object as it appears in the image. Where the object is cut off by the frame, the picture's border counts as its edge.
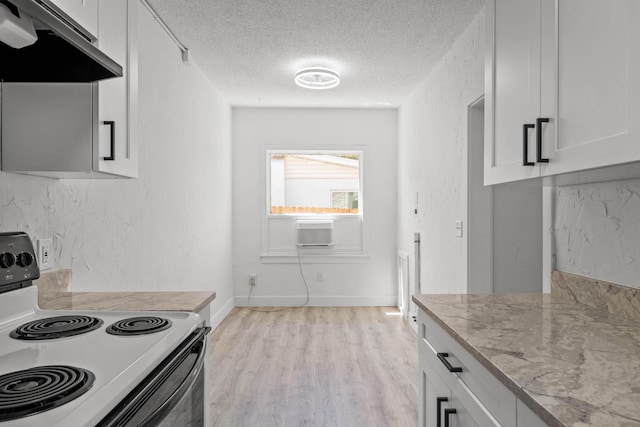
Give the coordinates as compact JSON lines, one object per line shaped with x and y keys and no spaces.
{"x":435,"y":395}
{"x":470,"y":411}
{"x":474,"y":378}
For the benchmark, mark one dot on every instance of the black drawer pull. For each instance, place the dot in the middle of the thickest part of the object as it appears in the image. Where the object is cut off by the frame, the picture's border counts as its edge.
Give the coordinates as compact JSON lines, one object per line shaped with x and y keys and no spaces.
{"x":439,"y":402}
{"x":447,"y":413}
{"x":539,"y":123}
{"x":445,"y":362}
{"x":112,"y":142}
{"x":525,"y":144}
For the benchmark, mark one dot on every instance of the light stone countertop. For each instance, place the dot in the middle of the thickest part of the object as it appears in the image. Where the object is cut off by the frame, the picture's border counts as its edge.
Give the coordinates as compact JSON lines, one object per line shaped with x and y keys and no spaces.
{"x":54,"y":293}
{"x":572,"y":364}
{"x":126,"y":301}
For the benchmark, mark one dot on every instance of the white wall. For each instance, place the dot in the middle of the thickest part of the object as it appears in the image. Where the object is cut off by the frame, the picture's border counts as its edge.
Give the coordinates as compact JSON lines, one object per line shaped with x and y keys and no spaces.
{"x":355,"y":280}
{"x":434,"y":157}
{"x":170,"y":229}
{"x":597,"y":230}
{"x":432,"y":160}
{"x":504,"y":225}
{"x":517,"y":237}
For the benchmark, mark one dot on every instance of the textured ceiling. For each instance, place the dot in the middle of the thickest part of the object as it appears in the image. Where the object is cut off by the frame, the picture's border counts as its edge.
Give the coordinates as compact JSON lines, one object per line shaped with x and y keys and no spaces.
{"x":382,"y":49}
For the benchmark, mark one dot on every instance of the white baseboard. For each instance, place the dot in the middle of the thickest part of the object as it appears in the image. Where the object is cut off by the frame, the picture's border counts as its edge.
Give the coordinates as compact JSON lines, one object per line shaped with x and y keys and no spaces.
{"x":218,"y":316}
{"x":325,"y":301}
{"x":278,"y":301}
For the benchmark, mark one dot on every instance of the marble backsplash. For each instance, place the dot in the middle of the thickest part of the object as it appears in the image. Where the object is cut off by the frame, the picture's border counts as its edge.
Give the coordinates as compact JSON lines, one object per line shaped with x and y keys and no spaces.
{"x":596,"y":229}
{"x":616,"y":299}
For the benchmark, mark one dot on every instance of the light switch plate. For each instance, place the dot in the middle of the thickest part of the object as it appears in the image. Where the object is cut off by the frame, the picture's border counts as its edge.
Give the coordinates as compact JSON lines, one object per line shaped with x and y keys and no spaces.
{"x":458,"y":228}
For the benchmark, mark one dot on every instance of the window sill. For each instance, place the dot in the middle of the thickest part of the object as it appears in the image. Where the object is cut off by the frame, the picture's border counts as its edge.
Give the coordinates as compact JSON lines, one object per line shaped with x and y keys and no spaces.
{"x":335,"y":258}
{"x":358,"y":216}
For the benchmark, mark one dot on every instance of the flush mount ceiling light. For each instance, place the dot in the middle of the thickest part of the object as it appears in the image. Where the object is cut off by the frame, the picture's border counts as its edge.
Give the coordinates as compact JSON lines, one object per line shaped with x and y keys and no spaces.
{"x":317,"y":78}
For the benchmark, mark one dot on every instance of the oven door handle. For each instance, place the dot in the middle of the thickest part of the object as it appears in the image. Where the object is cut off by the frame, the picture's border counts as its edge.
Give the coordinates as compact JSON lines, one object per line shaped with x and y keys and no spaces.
{"x":127,"y":409}
{"x":168,"y":405}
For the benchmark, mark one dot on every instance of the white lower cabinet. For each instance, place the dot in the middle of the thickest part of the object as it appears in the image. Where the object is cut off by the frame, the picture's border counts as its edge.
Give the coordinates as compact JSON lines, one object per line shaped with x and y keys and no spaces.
{"x":435,"y":396}
{"x":456,"y":391}
{"x":526,"y":417}
{"x":444,"y":408}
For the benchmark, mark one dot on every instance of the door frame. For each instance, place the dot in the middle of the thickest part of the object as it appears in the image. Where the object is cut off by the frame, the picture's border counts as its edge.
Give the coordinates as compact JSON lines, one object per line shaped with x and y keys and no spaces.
{"x":479,"y":229}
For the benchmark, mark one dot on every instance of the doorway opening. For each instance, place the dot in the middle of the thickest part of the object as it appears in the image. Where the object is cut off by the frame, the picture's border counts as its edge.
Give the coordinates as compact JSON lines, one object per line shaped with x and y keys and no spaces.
{"x":479,"y":207}
{"x":403,"y":283}
{"x":504,"y":224}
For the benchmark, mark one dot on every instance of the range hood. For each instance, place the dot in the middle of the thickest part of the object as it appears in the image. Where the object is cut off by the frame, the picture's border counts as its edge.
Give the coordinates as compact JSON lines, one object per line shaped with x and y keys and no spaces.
{"x":63,"y":51}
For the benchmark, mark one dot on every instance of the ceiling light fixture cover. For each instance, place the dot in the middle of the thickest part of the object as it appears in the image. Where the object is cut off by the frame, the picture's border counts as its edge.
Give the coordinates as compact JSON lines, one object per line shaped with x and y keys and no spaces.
{"x":317,"y":78}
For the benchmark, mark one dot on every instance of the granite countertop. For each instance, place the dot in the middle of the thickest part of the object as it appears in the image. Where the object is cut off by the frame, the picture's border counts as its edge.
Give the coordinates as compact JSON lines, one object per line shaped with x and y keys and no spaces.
{"x":573,"y":364}
{"x":126,"y":301}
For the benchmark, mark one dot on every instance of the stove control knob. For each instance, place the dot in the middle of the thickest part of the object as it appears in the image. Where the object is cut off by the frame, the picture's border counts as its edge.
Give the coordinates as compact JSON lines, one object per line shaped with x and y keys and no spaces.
{"x":7,"y":260}
{"x":25,"y":259}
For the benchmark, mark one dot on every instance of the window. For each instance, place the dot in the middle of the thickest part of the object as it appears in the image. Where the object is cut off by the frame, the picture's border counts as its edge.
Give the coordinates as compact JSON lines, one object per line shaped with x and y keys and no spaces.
{"x":344,"y":199}
{"x":314,"y":182}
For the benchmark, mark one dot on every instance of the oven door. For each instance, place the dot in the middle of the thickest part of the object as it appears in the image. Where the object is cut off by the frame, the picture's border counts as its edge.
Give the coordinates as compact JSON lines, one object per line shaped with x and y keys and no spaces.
{"x":172,"y":395}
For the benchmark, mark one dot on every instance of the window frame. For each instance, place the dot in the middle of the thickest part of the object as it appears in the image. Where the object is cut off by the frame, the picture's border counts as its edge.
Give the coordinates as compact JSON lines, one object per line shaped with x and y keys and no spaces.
{"x":315,"y":151}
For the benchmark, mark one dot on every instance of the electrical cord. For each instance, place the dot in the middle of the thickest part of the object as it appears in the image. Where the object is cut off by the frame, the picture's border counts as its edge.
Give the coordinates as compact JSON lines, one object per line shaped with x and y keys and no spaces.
{"x":266,"y":310}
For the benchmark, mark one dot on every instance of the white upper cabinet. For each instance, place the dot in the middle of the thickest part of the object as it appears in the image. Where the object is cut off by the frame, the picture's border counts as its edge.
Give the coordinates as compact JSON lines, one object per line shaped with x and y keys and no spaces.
{"x":84,"y":12}
{"x":575,"y":63}
{"x":79,"y":130}
{"x":117,"y":98}
{"x":512,"y":95}
{"x":591,"y":84}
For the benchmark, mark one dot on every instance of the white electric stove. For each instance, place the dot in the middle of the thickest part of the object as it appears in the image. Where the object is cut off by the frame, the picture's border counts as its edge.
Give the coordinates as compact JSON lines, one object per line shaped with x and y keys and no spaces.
{"x":93,"y":368}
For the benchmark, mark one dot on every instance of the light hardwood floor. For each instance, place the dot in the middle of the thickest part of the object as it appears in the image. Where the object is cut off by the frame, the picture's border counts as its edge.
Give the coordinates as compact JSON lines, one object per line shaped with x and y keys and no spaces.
{"x":314,"y":366}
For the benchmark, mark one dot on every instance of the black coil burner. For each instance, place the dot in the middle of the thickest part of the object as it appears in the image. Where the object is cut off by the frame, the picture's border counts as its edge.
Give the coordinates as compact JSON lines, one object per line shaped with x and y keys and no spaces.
{"x":56,"y":327}
{"x":139,"y":325}
{"x":35,"y":390}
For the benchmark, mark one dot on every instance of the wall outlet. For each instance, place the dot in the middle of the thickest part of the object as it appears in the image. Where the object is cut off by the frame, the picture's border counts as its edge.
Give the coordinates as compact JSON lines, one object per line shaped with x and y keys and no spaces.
{"x":45,"y":254}
{"x":252,"y":279}
{"x":458,"y":228}
{"x":319,"y":276}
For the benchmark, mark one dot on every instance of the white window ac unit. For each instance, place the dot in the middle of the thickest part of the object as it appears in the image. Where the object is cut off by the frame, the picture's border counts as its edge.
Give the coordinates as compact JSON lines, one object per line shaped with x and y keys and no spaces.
{"x":312,"y":232}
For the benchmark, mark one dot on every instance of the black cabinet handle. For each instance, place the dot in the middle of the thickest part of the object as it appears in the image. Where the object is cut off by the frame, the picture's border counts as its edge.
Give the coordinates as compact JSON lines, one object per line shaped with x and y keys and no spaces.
{"x":112,"y":144}
{"x":539,"y":123}
{"x":445,"y":362}
{"x":439,"y":402}
{"x":448,"y":412}
{"x":525,"y":145}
